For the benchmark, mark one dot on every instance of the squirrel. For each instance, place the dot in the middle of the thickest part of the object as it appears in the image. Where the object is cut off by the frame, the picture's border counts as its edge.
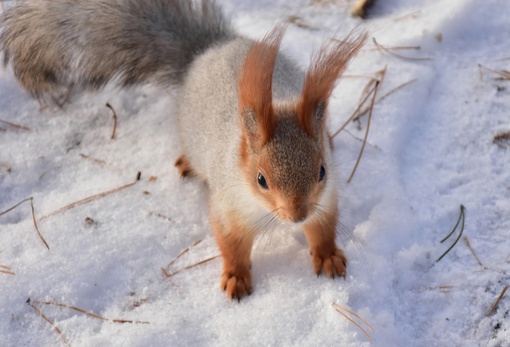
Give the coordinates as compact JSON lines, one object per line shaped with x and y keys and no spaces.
{"x":251,"y":123}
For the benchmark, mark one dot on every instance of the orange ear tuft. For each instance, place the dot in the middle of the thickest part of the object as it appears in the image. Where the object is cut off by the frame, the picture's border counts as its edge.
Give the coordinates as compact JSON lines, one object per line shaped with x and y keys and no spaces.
{"x":327,"y":66}
{"x":255,"y":84}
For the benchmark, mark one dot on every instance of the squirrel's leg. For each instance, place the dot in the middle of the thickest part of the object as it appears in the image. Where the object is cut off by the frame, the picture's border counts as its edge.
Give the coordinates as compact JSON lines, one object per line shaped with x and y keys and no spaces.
{"x":321,"y":233}
{"x":235,"y":242}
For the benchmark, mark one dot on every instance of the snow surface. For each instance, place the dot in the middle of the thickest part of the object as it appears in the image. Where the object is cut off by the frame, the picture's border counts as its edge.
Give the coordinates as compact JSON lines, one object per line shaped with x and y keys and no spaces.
{"x":430,"y":150}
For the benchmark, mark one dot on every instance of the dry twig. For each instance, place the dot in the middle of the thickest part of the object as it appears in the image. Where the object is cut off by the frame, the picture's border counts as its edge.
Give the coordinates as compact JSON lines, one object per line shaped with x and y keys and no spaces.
{"x":21,"y":127}
{"x":384,"y":49}
{"x":493,"y":308}
{"x":468,"y":244}
{"x":114,"y":120}
{"x":168,"y":275}
{"x":6,"y":270}
{"x":98,"y":161}
{"x":31,"y":199}
{"x":340,"y":310}
{"x":504,"y":74}
{"x":87,"y":200}
{"x":366,"y":132}
{"x":182,"y":253}
{"x":64,"y":339}
{"x":90,"y":314}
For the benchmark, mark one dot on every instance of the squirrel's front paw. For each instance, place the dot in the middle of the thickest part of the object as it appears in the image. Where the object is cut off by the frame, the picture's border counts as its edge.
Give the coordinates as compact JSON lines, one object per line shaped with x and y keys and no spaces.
{"x":237,"y":284}
{"x":334,"y":262}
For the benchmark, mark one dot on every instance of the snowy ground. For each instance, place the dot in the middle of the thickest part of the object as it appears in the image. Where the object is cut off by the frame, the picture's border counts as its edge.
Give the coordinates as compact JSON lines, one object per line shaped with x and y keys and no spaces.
{"x":430,"y":150}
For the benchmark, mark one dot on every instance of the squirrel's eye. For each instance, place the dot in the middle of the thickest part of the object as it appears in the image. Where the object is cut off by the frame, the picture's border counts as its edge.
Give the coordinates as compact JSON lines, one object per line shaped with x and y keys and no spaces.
{"x":262,"y":181}
{"x":322,"y":174}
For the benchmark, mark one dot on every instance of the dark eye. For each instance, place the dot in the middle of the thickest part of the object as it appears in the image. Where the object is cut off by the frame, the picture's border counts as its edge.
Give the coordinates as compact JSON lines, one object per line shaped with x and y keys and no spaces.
{"x":322,"y":174}
{"x":262,"y":181}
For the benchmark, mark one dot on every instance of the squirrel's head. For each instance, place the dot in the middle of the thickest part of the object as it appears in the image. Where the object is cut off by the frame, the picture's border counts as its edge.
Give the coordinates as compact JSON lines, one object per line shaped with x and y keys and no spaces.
{"x":283,"y":151}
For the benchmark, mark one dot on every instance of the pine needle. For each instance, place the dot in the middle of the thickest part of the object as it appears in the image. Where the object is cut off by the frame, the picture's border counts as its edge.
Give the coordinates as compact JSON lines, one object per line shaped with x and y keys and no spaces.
{"x":503,"y":73}
{"x":98,"y":161}
{"x":15,"y":125}
{"x":7,"y":272}
{"x":31,"y":199}
{"x":493,"y":308}
{"x":360,"y":105}
{"x":168,"y":275}
{"x":182,"y":253}
{"x":468,"y":244}
{"x":64,"y":339}
{"x":339,"y":309}
{"x":461,"y":218}
{"x":386,"y":50}
{"x":376,"y":87}
{"x":114,"y":120}
{"x":87,"y":200}
{"x":90,"y":314}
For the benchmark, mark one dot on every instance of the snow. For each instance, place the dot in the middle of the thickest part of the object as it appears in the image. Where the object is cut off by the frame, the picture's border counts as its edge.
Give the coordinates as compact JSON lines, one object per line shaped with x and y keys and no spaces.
{"x":430,"y":150}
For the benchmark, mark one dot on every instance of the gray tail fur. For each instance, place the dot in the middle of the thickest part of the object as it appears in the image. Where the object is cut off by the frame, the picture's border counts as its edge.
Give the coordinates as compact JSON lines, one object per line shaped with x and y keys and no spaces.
{"x":59,"y":45}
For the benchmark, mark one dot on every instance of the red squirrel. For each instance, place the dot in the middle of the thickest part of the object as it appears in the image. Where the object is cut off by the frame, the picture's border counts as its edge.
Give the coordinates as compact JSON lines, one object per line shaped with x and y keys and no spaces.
{"x":251,"y":123}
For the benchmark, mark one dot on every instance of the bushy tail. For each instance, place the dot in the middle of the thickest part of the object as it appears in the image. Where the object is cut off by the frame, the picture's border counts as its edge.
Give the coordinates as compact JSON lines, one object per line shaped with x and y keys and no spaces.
{"x":54,"y":45}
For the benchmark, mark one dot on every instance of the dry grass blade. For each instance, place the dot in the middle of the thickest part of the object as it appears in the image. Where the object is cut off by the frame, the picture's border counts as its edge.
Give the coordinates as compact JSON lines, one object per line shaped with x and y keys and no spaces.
{"x":394,"y":48}
{"x":384,"y":49}
{"x":493,"y":308}
{"x":64,"y":339}
{"x":362,"y":113}
{"x":340,"y":310}
{"x":168,"y":275}
{"x":5,"y":267}
{"x":7,"y":272}
{"x":413,"y":14}
{"x":35,"y":224}
{"x":31,"y":199}
{"x":360,"y":105}
{"x":98,"y":161}
{"x":468,"y":244}
{"x":21,"y":127}
{"x":87,"y":200}
{"x":114,"y":119}
{"x":90,"y":314}
{"x":376,"y":87}
{"x":182,"y":253}
{"x":12,"y":208}
{"x":503,"y":73}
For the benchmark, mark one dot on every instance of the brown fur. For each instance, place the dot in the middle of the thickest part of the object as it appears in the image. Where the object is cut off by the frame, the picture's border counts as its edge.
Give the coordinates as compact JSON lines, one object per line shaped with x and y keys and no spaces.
{"x":320,"y":234}
{"x":183,"y":166}
{"x":255,"y":85}
{"x":327,"y":66}
{"x":235,"y":241}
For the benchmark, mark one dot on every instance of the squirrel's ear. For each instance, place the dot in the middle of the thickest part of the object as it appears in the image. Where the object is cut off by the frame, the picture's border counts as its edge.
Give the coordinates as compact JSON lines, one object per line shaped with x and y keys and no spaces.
{"x":255,"y":87}
{"x":326,"y":67}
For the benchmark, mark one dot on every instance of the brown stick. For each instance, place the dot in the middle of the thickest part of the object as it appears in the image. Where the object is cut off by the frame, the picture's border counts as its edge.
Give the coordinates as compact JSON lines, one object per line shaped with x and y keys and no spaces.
{"x":90,"y":314}
{"x":362,"y":113}
{"x":354,"y":113}
{"x":191,"y":266}
{"x":468,"y":244}
{"x":7,"y":272}
{"x":384,"y":49}
{"x":493,"y":308}
{"x":15,"y":125}
{"x":35,"y":225}
{"x":64,"y":339}
{"x":504,"y":74}
{"x":31,"y":199}
{"x":182,"y":253}
{"x":99,"y":161}
{"x":87,"y":200}
{"x":376,"y":87}
{"x":114,"y":120}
